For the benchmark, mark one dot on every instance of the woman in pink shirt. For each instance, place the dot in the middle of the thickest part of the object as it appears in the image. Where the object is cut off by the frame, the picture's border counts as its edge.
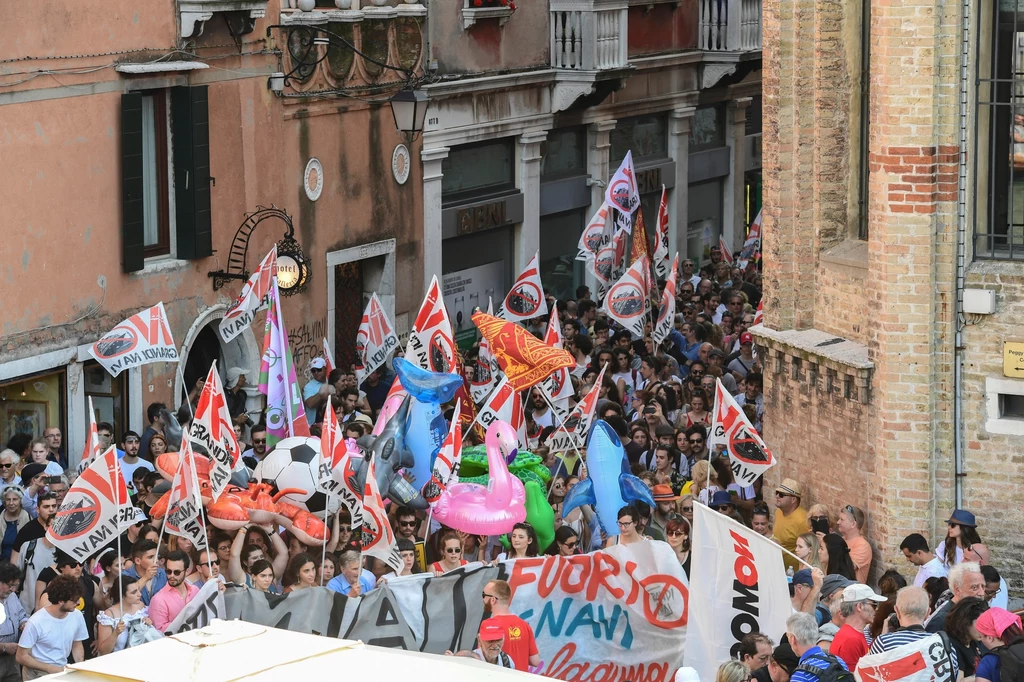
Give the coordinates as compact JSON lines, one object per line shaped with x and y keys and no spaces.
{"x":850,"y":524}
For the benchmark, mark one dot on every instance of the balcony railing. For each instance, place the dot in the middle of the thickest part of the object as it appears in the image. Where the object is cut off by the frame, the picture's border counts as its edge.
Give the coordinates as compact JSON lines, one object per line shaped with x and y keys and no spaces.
{"x":589,"y":35}
{"x":730,"y":25}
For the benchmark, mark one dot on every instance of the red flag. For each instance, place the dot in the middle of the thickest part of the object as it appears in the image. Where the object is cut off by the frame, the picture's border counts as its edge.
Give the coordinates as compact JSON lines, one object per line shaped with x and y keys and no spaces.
{"x":759,"y":315}
{"x":640,"y":248}
{"x":726,"y":251}
{"x":523,"y":358}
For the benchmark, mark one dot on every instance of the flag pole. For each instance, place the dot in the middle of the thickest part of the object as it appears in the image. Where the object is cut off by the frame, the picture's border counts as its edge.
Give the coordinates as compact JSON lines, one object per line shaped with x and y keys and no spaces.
{"x":572,"y":440}
{"x":323,"y":554}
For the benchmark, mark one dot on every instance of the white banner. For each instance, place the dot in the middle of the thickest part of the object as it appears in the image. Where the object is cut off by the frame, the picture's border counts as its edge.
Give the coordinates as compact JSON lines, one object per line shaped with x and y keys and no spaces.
{"x":614,"y":615}
{"x":431,"y":345}
{"x":627,"y":301}
{"x":253,"y":298}
{"x":212,"y":429}
{"x":378,"y":540}
{"x":92,"y":448}
{"x":667,"y":309}
{"x":525,"y":300}
{"x":622,"y":191}
{"x":743,"y":589}
{"x":201,"y":611}
{"x":558,"y":386}
{"x":375,"y":340}
{"x":485,"y":378}
{"x":748,"y":455}
{"x":142,"y":338}
{"x":925,"y":660}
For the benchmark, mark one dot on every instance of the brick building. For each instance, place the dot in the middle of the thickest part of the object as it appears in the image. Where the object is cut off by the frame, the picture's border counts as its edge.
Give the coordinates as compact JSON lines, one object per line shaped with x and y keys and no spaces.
{"x":892,"y":247}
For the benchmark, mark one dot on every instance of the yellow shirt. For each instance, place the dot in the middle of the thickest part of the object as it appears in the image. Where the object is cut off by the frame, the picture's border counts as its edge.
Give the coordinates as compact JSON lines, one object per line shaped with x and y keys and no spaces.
{"x":787,"y":530}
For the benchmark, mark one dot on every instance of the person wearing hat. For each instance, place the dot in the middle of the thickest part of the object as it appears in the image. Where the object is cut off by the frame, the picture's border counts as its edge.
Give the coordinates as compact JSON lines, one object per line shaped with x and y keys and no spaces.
{"x":743,"y":364}
{"x":665,"y":500}
{"x":858,"y":610}
{"x":490,"y":637}
{"x":790,"y":518}
{"x":235,"y":395}
{"x":721,"y":502}
{"x":806,"y":590}
{"x":1002,"y":635}
{"x":317,"y":390}
{"x":831,"y":584}
{"x":962,"y":532}
{"x":781,"y":665}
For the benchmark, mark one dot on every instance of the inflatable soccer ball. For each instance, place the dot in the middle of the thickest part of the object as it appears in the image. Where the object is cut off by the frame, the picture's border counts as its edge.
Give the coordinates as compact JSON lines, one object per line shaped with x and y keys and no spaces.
{"x":293,"y":464}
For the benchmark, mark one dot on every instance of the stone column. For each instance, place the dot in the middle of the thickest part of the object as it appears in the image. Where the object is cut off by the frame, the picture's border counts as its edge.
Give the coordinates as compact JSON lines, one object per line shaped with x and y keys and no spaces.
{"x":528,"y":237}
{"x":432,"y":175}
{"x":598,"y":153}
{"x":679,"y":198}
{"x":733,"y":214}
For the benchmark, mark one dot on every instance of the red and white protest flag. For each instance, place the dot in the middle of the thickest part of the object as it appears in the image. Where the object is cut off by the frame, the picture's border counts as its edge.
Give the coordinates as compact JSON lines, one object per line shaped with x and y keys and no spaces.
{"x":431,"y":343}
{"x":627,"y":299}
{"x":95,"y":510}
{"x":660,"y":256}
{"x":328,"y":358}
{"x":336,"y":469}
{"x":759,"y":315}
{"x":748,"y":454}
{"x":485,"y":378}
{"x":448,"y":458}
{"x":743,"y":589}
{"x":253,"y":298}
{"x":212,"y":429}
{"x":185,"y":502}
{"x":752,"y":244}
{"x":667,"y":309}
{"x":572,"y":434}
{"x":923,"y":660}
{"x":375,"y":340}
{"x":285,"y":416}
{"x":332,"y":447}
{"x":525,"y":300}
{"x":726,"y":251}
{"x":595,"y":235}
{"x":143,"y":338}
{"x":622,"y":192}
{"x":558,"y":386}
{"x":377,"y":537}
{"x":504,"y":404}
{"x":92,"y":448}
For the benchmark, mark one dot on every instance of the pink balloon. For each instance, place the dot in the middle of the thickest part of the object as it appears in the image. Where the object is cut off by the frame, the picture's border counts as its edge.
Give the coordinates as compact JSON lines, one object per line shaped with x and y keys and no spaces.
{"x":486,"y":510}
{"x":387,"y":411}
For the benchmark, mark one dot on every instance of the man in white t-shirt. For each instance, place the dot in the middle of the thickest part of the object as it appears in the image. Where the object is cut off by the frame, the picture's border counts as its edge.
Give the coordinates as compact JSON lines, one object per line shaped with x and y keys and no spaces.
{"x":916,"y":550}
{"x":131,"y":460}
{"x":316,"y":390}
{"x":542,"y":414}
{"x":54,"y":632}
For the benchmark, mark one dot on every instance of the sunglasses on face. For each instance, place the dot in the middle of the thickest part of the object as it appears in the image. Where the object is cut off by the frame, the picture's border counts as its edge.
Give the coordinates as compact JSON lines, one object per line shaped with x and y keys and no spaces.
{"x":259,"y":441}
{"x":696,"y":441}
{"x":778,"y":494}
{"x":720,"y":507}
{"x":676,"y":533}
{"x":697,"y":373}
{"x":8,"y":465}
{"x":687,"y":510}
{"x":453,"y":550}
{"x":571,"y":544}
{"x":176,"y":571}
{"x":407,"y":524}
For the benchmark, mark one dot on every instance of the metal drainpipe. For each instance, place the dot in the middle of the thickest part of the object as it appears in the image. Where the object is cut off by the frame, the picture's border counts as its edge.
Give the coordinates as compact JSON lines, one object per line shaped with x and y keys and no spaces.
{"x":865,"y":115}
{"x":961,"y":248}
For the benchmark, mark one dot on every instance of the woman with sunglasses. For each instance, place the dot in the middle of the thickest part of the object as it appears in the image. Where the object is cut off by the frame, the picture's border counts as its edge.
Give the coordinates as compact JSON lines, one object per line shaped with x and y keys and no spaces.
{"x":962,"y":532}
{"x":566,"y":542}
{"x":451,"y":554}
{"x":834,"y":554}
{"x":677,"y":532}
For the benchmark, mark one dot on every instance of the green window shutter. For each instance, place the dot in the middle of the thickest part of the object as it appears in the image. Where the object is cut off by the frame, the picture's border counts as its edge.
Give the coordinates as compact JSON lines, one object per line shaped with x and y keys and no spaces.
{"x":132,"y":216}
{"x":190,"y":123}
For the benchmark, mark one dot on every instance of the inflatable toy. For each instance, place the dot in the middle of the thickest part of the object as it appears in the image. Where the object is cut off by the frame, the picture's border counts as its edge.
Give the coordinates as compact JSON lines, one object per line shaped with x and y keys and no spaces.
{"x":526,"y":467}
{"x":425,"y":427}
{"x":539,"y":514}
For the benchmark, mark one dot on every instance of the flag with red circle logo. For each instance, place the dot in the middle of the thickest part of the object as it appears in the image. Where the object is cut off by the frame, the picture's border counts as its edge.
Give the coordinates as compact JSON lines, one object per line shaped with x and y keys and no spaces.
{"x":375,"y":340}
{"x":449,"y":457}
{"x":185,"y":503}
{"x":328,"y":358}
{"x":504,"y":405}
{"x":485,"y":378}
{"x":667,"y":309}
{"x":525,"y":300}
{"x":558,"y":386}
{"x":253,"y":298}
{"x":431,"y":343}
{"x":622,"y":192}
{"x":573,"y":432}
{"x":748,"y":454}
{"x":143,"y":338}
{"x":92,"y":448}
{"x":660,"y":258}
{"x":759,"y":315}
{"x":595,"y":235}
{"x":627,"y":300}
{"x":212,"y":428}
{"x":377,"y":537}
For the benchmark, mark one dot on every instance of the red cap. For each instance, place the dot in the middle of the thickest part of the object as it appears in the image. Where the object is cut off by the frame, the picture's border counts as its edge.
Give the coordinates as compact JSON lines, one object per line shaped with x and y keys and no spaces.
{"x":746,"y":337}
{"x":491,"y":631}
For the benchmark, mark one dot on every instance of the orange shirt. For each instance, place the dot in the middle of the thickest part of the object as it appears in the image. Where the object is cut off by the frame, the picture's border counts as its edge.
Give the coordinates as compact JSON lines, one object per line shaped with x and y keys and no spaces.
{"x":519,"y":642}
{"x":860,"y":554}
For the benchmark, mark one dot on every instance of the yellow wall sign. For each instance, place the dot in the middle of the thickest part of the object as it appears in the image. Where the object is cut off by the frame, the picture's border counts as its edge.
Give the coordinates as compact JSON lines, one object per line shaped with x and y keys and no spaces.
{"x":1013,"y":359}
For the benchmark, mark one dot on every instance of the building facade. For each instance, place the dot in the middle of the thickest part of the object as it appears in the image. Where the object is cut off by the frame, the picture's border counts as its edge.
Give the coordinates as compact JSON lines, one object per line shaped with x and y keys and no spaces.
{"x":892,"y":249}
{"x":151,"y":149}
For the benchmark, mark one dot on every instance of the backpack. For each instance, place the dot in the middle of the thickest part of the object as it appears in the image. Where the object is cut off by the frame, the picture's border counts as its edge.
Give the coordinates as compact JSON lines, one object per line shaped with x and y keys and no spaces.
{"x":1011,"y":661}
{"x":835,"y":672}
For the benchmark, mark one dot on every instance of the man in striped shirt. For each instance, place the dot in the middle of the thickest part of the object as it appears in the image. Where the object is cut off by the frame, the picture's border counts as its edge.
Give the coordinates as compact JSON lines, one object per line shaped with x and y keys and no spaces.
{"x":802,"y":631}
{"x":911,"y":610}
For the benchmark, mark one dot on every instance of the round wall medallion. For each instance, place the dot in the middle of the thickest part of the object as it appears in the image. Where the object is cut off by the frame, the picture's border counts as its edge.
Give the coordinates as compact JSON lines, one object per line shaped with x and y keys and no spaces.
{"x":313,"y":179}
{"x":401,"y":163}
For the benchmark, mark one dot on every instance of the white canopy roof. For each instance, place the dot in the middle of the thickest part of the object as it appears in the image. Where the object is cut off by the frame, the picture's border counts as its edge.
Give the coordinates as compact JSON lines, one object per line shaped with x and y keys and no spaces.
{"x":237,"y":650}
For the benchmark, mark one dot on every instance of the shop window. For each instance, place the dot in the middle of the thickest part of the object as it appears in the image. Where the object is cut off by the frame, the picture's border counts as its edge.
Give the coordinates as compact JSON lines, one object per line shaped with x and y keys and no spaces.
{"x":707,"y":130}
{"x":559,"y":241}
{"x":29,"y":404}
{"x":109,"y":397}
{"x":478,"y":170}
{"x":645,"y":136}
{"x":564,"y":154}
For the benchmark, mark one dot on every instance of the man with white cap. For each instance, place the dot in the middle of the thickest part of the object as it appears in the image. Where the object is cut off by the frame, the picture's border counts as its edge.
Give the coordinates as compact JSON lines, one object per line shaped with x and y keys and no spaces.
{"x":235,"y":396}
{"x":316,"y":390}
{"x":858,"y":608}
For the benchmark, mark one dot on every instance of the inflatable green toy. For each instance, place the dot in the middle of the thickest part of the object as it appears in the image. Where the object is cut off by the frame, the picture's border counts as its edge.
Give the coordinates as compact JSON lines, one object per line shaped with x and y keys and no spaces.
{"x":526,"y":466}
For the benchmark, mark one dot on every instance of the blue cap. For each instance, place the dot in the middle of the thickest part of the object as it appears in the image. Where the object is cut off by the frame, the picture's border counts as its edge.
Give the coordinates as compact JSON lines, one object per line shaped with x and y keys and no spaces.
{"x":803,"y":577}
{"x":962,"y":517}
{"x":720,"y":497}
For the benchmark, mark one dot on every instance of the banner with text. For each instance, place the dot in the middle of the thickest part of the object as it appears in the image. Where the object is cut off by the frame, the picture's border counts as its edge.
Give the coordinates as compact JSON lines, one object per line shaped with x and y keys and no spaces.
{"x":925,"y":660}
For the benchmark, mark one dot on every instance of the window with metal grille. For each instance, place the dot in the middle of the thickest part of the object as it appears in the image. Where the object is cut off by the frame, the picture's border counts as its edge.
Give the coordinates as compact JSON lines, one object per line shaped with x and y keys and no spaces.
{"x":999,"y":132}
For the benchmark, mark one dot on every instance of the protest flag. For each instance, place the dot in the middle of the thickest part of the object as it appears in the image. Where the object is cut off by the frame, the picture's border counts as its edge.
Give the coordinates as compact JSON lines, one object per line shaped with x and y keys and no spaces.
{"x":743,"y":589}
{"x":285,"y":415}
{"x":748,"y":455}
{"x":573,"y":432}
{"x":524,"y":359}
{"x":328,"y":358}
{"x":558,"y":386}
{"x":375,"y":340}
{"x":503,"y":404}
{"x":622,"y":192}
{"x":667,"y":310}
{"x":95,"y":511}
{"x":922,"y":660}
{"x":627,"y":300}
{"x":595,"y":235}
{"x":212,"y":429}
{"x":660,"y":256}
{"x":92,"y":448}
{"x":185,"y":502}
{"x":639,"y":247}
{"x":752,"y":244}
{"x":485,"y":378}
{"x":726,"y":251}
{"x":431,"y":343}
{"x":525,"y":300}
{"x":141,"y":339}
{"x":332,"y":446}
{"x":252,"y":299}
{"x":377,"y":539}
{"x":759,"y":315}
{"x":448,"y":458}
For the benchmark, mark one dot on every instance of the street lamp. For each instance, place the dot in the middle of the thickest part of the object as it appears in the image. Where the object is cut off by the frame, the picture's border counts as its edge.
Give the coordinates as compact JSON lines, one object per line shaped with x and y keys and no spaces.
{"x":409,"y":108}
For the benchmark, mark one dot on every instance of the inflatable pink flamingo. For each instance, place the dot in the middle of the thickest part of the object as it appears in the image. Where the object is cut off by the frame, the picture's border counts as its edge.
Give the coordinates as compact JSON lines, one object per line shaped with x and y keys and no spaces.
{"x":490,"y":510}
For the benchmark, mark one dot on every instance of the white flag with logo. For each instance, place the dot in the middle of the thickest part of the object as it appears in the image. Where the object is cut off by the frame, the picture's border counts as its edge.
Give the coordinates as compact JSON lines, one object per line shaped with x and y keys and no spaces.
{"x":667,"y":309}
{"x":185,"y":503}
{"x":378,"y":539}
{"x":743,"y":589}
{"x":504,"y":404}
{"x":431,"y":343}
{"x":573,"y":432}
{"x":375,"y":340}
{"x":627,"y":300}
{"x":253,"y":298}
{"x":143,"y":338}
{"x":748,"y":454}
{"x":595,"y":235}
{"x":212,"y":429}
{"x":92,"y":448}
{"x":923,"y":660}
{"x":525,"y":300}
{"x":622,"y":192}
{"x":660,"y":256}
{"x":485,"y":378}
{"x":449,"y":458}
{"x":558,"y":386}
